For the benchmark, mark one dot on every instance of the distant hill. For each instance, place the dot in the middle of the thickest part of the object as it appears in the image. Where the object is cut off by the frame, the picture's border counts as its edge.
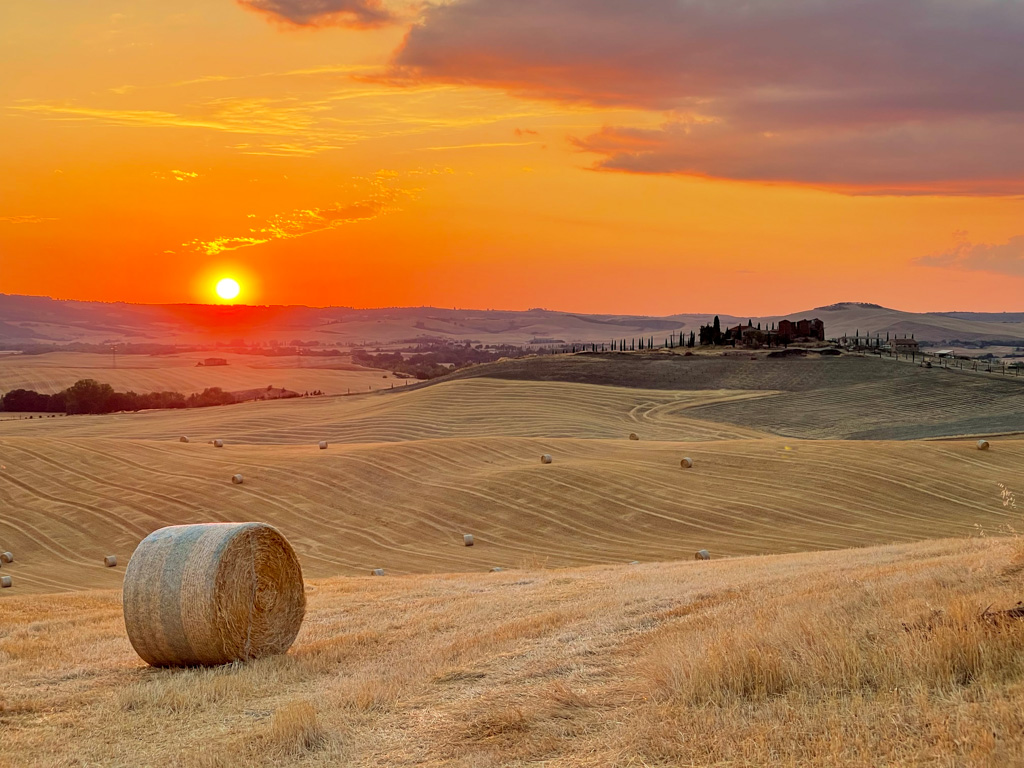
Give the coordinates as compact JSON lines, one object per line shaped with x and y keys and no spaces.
{"x":41,"y":320}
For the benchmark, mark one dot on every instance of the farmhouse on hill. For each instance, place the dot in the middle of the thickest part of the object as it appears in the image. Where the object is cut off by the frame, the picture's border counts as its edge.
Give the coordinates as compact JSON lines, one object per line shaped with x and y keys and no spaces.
{"x":904,"y":345}
{"x":750,"y":335}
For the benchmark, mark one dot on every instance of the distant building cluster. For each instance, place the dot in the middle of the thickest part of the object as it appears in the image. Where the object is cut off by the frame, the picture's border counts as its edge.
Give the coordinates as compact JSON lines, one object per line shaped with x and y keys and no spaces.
{"x":787,"y":332}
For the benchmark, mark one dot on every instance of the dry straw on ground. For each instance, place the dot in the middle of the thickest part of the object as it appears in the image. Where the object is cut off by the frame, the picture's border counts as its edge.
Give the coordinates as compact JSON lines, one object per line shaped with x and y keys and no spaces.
{"x":212,"y":594}
{"x":110,"y":561}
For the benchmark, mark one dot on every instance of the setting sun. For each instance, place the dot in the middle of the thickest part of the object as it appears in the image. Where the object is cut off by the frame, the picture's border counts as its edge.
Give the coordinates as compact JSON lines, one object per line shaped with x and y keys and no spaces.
{"x":228,"y":289}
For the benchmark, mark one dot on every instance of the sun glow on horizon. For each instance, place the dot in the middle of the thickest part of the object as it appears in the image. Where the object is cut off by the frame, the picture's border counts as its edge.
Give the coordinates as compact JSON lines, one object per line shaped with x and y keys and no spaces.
{"x":228,"y":289}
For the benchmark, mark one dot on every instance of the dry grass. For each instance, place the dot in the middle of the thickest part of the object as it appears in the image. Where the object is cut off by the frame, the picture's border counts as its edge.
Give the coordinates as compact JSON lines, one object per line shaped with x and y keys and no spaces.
{"x":860,"y":658}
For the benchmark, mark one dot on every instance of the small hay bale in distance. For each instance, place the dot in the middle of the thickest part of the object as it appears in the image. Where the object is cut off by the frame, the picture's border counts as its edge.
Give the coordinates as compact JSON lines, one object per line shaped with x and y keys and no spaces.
{"x":377,"y":572}
{"x":110,"y":561}
{"x":983,"y":445}
{"x":686,"y":463}
{"x":497,"y":569}
{"x":634,"y":436}
{"x":183,"y":439}
{"x":467,"y":539}
{"x":702,"y":554}
{"x":6,"y":557}
{"x":213,"y":593}
{"x":218,"y":443}
{"x":236,"y":479}
{"x":5,"y":582}
{"x":323,"y":445}
{"x":545,"y":458}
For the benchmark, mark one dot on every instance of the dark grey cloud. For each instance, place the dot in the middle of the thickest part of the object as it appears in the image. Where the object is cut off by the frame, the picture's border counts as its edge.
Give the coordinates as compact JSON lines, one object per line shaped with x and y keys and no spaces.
{"x":870,"y":95}
{"x":361,"y":14}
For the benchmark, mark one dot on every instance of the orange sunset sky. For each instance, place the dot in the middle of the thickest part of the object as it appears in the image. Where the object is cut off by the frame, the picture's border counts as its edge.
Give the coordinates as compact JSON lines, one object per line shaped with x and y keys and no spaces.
{"x":653,"y":156}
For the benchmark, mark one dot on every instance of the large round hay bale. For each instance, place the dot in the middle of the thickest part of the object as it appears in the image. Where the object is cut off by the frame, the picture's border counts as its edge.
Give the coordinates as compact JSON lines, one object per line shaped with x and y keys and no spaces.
{"x":110,"y":561}
{"x":323,"y":445}
{"x":200,"y":595}
{"x":497,"y":569}
{"x":467,"y":539}
{"x":236,"y":479}
{"x":545,"y":459}
{"x":702,"y":554}
{"x":634,"y":436}
{"x":183,"y":439}
{"x":6,"y":557}
{"x":686,"y":463}
{"x":983,"y":445}
{"x":218,"y":443}
{"x":5,"y":581}
{"x":377,"y":572}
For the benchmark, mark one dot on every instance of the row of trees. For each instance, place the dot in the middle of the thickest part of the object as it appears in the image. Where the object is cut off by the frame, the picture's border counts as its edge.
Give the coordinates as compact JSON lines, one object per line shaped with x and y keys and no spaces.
{"x":90,"y":396}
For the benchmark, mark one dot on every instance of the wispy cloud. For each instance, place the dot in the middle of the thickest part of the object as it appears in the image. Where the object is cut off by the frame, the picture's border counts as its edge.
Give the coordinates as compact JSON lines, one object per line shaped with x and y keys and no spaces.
{"x":483,"y":145}
{"x":25,"y":219}
{"x":360,"y":14}
{"x":384,"y":197}
{"x":176,"y":175}
{"x":1001,"y":258}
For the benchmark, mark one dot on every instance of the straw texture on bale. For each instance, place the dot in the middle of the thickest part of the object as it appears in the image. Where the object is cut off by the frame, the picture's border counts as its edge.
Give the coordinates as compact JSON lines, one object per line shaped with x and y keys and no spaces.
{"x":702,"y":554}
{"x":110,"y":561}
{"x":236,"y":479}
{"x":634,"y":436}
{"x":218,"y":443}
{"x":202,"y":595}
{"x":377,"y":572}
{"x":545,"y":459}
{"x":983,"y":445}
{"x":686,"y":463}
{"x":323,"y":445}
{"x":6,"y":557}
{"x":5,"y":581}
{"x":183,"y":439}
{"x":467,"y":539}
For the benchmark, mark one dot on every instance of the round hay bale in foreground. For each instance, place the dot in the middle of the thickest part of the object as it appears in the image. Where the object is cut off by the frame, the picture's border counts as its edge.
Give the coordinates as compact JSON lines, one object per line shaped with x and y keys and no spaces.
{"x":467,"y":539}
{"x":545,"y":459}
{"x":377,"y":572}
{"x":236,"y":479}
{"x":218,"y":443}
{"x":110,"y":561}
{"x":5,"y":581}
{"x":702,"y":554}
{"x":983,"y":445}
{"x":183,"y":439}
{"x":634,"y":436}
{"x":201,"y":595}
{"x":6,"y":557}
{"x":686,"y":463}
{"x":323,"y":445}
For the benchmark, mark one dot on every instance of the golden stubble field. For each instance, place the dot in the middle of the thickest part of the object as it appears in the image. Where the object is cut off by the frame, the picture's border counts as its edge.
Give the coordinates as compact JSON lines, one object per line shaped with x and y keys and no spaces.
{"x":825,"y":631}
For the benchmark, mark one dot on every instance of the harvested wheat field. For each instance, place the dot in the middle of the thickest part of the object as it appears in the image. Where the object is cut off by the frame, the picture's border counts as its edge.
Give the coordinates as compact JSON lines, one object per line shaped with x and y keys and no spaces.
{"x":860,"y":658}
{"x":54,"y":371}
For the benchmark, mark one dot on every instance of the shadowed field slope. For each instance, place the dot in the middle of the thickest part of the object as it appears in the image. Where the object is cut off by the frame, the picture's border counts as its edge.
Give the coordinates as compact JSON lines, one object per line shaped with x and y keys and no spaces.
{"x":847,"y":397}
{"x":856,"y":658}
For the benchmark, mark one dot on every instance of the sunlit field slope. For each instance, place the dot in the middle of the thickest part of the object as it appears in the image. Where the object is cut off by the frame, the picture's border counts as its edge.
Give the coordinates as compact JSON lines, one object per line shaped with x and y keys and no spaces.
{"x":52,"y":372}
{"x":820,"y":397}
{"x":856,"y":658}
{"x":406,"y":474}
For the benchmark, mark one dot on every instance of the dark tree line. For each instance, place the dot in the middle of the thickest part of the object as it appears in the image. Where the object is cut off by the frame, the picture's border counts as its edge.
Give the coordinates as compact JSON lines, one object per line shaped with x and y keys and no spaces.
{"x":89,"y":396}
